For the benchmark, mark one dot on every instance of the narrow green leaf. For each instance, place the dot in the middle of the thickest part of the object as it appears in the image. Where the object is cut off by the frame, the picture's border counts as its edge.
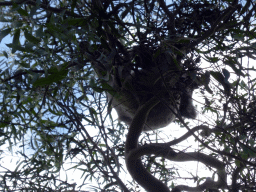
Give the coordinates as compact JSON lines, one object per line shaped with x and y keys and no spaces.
{"x":22,"y":12}
{"x":31,"y":38}
{"x":56,"y":77}
{"x":4,"y":33}
{"x":16,"y":40}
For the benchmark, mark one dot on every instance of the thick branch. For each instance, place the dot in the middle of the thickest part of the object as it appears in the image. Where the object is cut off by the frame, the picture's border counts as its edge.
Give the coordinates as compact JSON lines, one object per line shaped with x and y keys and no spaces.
{"x":135,"y":166}
{"x":143,"y":177}
{"x":163,"y":150}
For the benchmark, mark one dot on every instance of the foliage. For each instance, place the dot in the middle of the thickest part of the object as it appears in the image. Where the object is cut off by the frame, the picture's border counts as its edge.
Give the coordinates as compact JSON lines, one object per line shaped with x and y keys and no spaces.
{"x":56,"y":111}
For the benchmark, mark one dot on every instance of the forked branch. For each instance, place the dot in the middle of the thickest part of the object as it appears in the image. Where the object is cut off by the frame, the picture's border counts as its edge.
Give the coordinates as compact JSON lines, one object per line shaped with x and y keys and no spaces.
{"x":143,"y":177}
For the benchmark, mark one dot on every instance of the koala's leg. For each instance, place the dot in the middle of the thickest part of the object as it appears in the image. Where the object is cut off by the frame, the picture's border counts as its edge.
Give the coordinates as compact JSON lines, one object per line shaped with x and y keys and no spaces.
{"x":187,"y":108}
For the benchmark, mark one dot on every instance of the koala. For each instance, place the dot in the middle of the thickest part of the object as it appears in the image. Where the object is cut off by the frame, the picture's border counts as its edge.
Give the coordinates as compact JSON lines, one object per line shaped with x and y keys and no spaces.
{"x":133,"y":84}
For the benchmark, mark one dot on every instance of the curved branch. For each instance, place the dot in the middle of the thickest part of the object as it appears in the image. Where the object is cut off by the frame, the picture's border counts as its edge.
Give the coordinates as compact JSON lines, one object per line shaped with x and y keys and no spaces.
{"x":205,"y":129}
{"x":135,"y":166}
{"x":143,"y":177}
{"x":163,"y":150}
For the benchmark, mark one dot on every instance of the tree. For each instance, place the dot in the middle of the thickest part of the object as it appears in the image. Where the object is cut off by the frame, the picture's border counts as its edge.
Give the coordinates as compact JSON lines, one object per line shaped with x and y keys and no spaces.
{"x":53,"y":105}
